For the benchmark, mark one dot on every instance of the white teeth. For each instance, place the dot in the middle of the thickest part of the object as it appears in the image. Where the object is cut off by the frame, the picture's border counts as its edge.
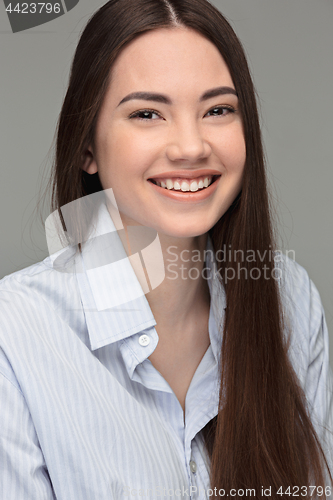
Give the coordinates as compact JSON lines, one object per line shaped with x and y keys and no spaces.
{"x":184,"y":185}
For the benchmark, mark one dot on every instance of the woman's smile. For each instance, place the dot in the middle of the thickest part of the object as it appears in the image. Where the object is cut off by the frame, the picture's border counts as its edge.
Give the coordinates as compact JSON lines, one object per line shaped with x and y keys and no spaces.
{"x":186,"y":190}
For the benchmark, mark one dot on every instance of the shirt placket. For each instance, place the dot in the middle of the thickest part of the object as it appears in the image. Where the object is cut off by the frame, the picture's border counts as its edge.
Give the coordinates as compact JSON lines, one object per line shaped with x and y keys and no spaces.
{"x":136,"y":350}
{"x":201,"y":406}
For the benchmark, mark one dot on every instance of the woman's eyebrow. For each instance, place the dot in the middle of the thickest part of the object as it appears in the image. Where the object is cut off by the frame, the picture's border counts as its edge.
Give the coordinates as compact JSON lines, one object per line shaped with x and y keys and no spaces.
{"x":153,"y":96}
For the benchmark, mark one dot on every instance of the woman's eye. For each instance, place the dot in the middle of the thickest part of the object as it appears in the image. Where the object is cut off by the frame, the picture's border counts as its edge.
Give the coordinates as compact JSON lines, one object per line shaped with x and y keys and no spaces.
{"x":148,"y":114}
{"x":145,"y":114}
{"x":221,"y":110}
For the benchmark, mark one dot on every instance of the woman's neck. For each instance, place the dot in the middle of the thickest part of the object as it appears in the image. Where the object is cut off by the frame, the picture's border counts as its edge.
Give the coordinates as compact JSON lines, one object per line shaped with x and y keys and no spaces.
{"x":182,"y":300}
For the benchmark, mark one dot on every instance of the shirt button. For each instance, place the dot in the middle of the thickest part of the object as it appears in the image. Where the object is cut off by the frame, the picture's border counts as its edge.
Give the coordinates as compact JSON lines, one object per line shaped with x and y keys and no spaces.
{"x":193,"y":466}
{"x":144,"y":340}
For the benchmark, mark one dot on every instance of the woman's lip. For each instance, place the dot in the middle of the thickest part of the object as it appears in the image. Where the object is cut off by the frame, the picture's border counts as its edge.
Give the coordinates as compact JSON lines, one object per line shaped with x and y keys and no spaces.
{"x":188,"y":196}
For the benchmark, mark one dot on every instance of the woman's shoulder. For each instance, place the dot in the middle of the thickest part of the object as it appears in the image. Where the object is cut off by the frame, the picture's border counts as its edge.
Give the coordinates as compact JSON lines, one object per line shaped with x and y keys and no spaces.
{"x":38,"y":278}
{"x":17,"y":278}
{"x":309,"y":348}
{"x":304,"y":317}
{"x":298,"y":291}
{"x":18,"y":289}
{"x":292,"y":273}
{"x":40,"y":312}
{"x":36,"y":291}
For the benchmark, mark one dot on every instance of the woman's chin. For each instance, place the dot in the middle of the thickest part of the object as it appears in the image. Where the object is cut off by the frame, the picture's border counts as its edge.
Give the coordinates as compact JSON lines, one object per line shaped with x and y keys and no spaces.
{"x":183,"y":232}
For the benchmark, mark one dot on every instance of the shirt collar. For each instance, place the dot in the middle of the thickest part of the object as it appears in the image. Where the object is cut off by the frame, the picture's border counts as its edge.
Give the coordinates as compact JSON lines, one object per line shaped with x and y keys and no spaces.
{"x":114,"y":303}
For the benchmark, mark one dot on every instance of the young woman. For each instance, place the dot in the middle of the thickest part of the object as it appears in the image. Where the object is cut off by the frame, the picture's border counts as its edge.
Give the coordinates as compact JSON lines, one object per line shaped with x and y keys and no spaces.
{"x":210,"y":380}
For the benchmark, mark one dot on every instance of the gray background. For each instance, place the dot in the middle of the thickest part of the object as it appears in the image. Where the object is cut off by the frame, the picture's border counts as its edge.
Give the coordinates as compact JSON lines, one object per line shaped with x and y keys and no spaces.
{"x":289,"y":46}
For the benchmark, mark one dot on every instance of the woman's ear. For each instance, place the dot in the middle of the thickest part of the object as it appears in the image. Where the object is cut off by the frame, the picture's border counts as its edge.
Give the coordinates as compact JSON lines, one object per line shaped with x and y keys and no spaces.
{"x":89,"y":164}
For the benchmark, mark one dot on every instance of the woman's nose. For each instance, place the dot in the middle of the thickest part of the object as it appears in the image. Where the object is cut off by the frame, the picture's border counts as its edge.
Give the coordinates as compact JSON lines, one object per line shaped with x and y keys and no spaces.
{"x":187,"y":143}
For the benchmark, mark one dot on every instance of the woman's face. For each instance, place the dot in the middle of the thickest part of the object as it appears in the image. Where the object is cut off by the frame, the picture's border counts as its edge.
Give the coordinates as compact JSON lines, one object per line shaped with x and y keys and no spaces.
{"x":177,"y":138}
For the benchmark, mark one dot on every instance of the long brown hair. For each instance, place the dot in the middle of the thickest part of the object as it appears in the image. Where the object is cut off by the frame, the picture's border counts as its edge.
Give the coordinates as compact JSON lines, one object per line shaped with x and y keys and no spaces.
{"x":262,"y":435}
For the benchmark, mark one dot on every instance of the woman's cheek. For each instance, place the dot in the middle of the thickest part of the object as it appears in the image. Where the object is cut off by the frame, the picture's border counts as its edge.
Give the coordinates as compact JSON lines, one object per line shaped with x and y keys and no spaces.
{"x":237,"y":152}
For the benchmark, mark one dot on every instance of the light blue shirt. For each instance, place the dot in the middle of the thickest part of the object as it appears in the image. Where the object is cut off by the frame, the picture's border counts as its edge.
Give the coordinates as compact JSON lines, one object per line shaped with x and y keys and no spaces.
{"x":85,"y":415}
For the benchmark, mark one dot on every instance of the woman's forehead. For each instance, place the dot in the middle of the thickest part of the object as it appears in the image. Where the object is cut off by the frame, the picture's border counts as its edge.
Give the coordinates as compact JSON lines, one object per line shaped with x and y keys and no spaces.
{"x":175,"y":59}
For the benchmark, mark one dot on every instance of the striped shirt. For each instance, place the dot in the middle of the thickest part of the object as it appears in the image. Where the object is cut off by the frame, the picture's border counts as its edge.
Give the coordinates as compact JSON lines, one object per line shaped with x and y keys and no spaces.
{"x":85,"y":415}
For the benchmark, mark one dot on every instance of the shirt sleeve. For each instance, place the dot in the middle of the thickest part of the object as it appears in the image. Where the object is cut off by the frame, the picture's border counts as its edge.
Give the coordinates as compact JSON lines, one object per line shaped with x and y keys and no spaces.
{"x":319,"y":379}
{"x":23,"y":472}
